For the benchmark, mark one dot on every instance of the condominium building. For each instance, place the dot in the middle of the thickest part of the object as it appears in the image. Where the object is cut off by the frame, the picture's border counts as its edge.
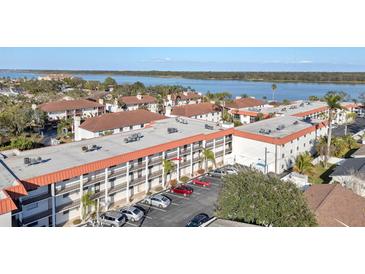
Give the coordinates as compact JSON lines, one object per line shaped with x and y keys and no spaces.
{"x":272,"y":145}
{"x":183,"y":98}
{"x":302,"y":109}
{"x":128,"y":103}
{"x":203,"y":111}
{"x":43,"y":187}
{"x":112,"y":123}
{"x":71,"y":108}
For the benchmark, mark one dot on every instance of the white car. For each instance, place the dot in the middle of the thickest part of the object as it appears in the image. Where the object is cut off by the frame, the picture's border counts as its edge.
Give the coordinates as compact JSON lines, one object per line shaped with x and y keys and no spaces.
{"x":132,"y":213}
{"x":230,"y":170}
{"x":158,"y":200}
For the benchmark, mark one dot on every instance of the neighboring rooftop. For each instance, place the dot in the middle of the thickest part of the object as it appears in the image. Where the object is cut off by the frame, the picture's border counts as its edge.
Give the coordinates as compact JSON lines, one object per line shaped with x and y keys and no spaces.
{"x":277,"y":127}
{"x":138,"y":99}
{"x":69,"y":105}
{"x":188,"y":95}
{"x":350,"y":166}
{"x":195,"y":109}
{"x":69,"y":156}
{"x":245,"y":103}
{"x":335,"y":205}
{"x":121,"y":119}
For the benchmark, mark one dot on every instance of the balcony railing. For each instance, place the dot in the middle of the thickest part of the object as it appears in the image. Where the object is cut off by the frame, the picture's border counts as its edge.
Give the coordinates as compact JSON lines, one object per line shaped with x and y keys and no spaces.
{"x":116,"y":173}
{"x":68,"y":189}
{"x":137,"y":166}
{"x":117,"y":188}
{"x":185,"y":151}
{"x":155,"y":161}
{"x":37,"y":216}
{"x":68,"y":205}
{"x":37,"y":198}
{"x":185,"y":164}
{"x":209,"y":145}
{"x":155,"y":174}
{"x":171,"y":155}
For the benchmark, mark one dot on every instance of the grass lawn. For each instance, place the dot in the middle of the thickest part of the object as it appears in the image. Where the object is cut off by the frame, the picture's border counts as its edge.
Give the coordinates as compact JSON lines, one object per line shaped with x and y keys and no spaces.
{"x":320,"y":174}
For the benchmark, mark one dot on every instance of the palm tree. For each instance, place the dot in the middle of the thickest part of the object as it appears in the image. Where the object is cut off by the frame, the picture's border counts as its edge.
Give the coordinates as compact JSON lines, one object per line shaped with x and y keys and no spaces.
{"x":273,"y":87}
{"x":333,"y":100}
{"x":207,"y":155}
{"x":168,"y":167}
{"x":350,"y":117}
{"x":303,"y":163}
{"x":86,"y":202}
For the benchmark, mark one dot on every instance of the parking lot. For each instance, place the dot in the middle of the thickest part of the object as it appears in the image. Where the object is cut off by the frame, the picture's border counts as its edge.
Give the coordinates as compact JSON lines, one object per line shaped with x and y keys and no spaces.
{"x":181,"y":209}
{"x":353,"y":128}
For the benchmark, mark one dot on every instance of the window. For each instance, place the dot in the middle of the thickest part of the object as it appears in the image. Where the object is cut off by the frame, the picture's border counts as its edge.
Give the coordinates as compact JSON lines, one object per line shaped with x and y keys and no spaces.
{"x":283,"y":155}
{"x":282,"y":166}
{"x":291,"y":151}
{"x":131,"y":127}
{"x":297,"y":148}
{"x":304,"y":145}
{"x":65,"y":195}
{"x":66,"y":212}
{"x":142,"y":125}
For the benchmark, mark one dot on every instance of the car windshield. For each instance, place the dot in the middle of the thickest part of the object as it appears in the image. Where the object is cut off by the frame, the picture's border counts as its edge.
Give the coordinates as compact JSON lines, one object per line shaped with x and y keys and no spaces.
{"x":136,"y":211}
{"x":120,"y":218}
{"x":163,"y":198}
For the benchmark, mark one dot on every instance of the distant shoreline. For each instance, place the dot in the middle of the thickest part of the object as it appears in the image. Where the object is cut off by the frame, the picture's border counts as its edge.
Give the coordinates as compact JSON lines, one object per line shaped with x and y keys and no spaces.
{"x":274,"y":77}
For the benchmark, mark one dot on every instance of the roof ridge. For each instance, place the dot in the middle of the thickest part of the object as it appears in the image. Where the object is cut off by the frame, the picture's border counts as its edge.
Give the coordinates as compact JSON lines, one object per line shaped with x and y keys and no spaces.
{"x":324,"y":200}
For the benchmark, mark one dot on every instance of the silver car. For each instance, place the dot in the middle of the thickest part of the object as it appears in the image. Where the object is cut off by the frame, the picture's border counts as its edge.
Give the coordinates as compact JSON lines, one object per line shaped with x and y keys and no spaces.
{"x":133,"y":213}
{"x":112,"y":218}
{"x":158,"y":200}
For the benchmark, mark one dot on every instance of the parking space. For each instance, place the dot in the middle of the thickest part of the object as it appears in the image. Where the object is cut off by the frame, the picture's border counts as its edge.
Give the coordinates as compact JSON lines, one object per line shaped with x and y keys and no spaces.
{"x":353,"y":128}
{"x":182,"y":209}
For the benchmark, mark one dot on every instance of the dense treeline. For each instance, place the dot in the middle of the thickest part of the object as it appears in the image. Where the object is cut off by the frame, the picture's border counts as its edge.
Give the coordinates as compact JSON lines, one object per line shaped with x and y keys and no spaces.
{"x":325,"y":77}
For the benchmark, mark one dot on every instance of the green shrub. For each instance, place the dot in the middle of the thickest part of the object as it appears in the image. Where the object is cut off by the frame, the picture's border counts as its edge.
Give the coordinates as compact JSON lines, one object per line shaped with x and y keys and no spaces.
{"x":22,"y":143}
{"x":184,"y":179}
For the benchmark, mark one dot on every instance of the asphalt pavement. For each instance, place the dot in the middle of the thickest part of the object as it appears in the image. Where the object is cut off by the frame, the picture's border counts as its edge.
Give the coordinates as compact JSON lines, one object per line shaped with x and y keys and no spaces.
{"x":353,"y":128}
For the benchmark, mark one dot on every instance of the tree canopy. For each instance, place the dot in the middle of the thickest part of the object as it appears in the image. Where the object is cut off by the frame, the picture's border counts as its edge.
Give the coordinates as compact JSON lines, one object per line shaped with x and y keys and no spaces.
{"x":256,"y":198}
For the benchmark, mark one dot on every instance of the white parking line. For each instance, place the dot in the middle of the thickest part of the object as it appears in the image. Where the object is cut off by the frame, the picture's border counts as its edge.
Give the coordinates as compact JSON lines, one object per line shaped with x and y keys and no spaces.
{"x":175,"y":204}
{"x":197,"y":193}
{"x":178,"y":196}
{"x":154,"y":207}
{"x":148,"y":217}
{"x":129,"y":223}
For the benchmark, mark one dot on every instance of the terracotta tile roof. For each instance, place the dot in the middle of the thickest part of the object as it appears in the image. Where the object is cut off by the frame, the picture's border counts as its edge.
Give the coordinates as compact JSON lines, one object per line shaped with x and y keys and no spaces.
{"x":335,"y":205}
{"x":245,"y":103}
{"x":133,"y":100}
{"x":195,"y":109}
{"x":187,"y":96}
{"x":249,"y":113}
{"x":7,"y":205}
{"x":68,"y":105}
{"x":120,"y":119}
{"x":8,"y":195}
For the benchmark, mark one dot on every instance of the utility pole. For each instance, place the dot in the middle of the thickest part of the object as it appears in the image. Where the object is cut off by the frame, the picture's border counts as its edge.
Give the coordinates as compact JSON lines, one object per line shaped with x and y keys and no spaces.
{"x":266,"y":169}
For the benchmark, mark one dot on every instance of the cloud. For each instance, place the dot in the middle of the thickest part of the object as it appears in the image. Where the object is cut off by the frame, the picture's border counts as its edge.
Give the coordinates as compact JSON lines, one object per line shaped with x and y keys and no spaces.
{"x":305,"y":62}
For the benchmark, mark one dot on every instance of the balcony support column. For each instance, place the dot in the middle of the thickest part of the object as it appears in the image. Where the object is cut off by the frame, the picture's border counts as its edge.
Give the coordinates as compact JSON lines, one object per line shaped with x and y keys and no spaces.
{"x":214,"y":148}
{"x":147,"y":187}
{"x":163,"y":170}
{"x":127,"y":187}
{"x":224,"y":148}
{"x":53,"y":205}
{"x":106,"y":187}
{"x":81,"y":193}
{"x":191,"y":160}
{"x":178,"y":164}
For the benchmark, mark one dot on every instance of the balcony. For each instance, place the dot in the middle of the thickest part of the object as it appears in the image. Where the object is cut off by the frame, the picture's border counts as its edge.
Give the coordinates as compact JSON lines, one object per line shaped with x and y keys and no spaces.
{"x":117,"y":188}
{"x":185,"y":151}
{"x":137,"y":181}
{"x":171,"y":155}
{"x":219,"y":142}
{"x":209,"y":145}
{"x":116,"y":173}
{"x":137,"y":166}
{"x":219,"y":153}
{"x":155,"y":174}
{"x":155,"y":161}
{"x":37,"y":198}
{"x":69,"y":188}
{"x":196,"y":148}
{"x":185,"y":164}
{"x":68,"y":205}
{"x":93,"y":181}
{"x":35,"y":217}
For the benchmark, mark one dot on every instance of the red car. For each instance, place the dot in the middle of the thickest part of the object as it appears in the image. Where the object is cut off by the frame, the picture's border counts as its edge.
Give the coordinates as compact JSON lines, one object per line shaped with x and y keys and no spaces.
{"x":182,"y":189}
{"x":200,"y":182}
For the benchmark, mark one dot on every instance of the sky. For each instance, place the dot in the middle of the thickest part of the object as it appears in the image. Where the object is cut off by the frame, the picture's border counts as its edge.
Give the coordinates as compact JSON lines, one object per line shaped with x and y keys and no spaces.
{"x":188,"y":59}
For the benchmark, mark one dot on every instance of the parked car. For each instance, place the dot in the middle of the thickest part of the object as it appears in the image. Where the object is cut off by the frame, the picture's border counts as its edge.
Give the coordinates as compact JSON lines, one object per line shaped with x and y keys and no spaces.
{"x":112,"y":218}
{"x":158,"y":200}
{"x":217,"y":173}
{"x":230,"y":170}
{"x":200,"y":182}
{"x":132,"y":213}
{"x":198,"y":220}
{"x":182,"y":189}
